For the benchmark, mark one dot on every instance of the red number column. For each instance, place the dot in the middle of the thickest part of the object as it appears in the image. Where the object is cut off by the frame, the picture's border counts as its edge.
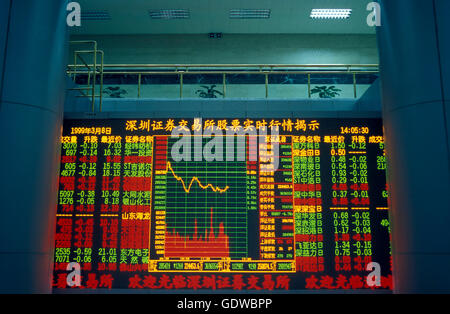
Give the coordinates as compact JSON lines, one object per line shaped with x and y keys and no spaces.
{"x":360,"y":222}
{"x":110,"y":198}
{"x":64,"y":216}
{"x":86,"y":172}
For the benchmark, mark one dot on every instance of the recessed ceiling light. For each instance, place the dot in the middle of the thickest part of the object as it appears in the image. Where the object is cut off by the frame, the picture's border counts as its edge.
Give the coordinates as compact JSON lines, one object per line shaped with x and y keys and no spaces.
{"x":95,"y":15}
{"x":331,"y":13}
{"x":249,"y":13}
{"x":169,"y":14}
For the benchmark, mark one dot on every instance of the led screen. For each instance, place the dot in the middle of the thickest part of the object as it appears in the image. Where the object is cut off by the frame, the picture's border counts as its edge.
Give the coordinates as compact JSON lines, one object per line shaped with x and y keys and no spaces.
{"x":223,"y":204}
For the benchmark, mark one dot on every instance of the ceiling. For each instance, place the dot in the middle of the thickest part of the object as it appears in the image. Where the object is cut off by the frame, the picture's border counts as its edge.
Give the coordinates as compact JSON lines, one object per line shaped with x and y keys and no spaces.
{"x":206,"y":16}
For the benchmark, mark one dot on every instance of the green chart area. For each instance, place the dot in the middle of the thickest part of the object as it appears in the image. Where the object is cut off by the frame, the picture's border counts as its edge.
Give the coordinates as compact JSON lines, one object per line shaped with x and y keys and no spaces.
{"x":206,"y":214}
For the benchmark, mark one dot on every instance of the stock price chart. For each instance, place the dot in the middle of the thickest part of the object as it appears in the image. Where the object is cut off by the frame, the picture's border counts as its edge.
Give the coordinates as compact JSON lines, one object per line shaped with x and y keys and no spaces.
{"x":224,"y":204}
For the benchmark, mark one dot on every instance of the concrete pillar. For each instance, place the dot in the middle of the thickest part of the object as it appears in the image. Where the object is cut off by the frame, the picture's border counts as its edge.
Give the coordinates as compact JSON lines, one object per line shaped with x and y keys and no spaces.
{"x":414,"y":48}
{"x":33,"y":45}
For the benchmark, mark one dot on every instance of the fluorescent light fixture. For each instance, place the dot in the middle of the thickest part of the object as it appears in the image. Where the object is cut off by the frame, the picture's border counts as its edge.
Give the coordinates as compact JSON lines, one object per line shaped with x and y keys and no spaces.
{"x":249,"y":13}
{"x":95,"y":15}
{"x":169,"y":14}
{"x":331,"y":13}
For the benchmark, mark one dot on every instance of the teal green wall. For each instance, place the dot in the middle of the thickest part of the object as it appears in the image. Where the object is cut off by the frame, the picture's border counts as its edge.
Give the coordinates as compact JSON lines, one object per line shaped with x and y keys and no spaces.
{"x":238,"y":49}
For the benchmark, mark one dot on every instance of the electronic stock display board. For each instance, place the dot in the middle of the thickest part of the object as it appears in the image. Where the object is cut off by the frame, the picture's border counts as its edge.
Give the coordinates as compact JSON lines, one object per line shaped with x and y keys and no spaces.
{"x":227,"y":204}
